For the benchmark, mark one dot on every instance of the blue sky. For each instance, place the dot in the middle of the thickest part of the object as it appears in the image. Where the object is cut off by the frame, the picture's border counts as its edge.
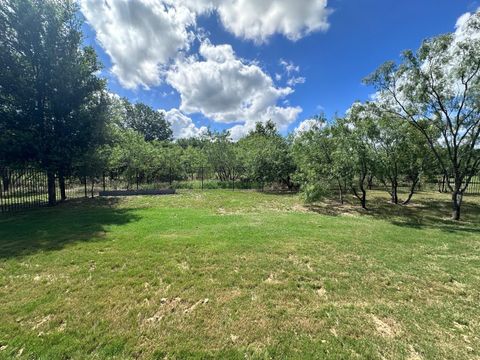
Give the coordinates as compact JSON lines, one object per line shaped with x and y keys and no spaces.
{"x":332,"y":62}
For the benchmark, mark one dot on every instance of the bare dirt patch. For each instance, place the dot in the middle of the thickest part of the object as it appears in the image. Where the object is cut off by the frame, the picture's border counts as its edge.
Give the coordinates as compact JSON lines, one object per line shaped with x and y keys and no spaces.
{"x":386,"y":327}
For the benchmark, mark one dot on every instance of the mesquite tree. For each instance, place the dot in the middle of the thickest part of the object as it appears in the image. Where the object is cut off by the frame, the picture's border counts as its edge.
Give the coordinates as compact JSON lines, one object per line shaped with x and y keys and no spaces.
{"x":437,"y":90}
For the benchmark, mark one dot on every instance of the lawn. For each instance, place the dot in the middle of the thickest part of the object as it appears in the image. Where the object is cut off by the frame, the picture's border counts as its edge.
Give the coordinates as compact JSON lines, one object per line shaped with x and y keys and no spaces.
{"x":240,"y":275}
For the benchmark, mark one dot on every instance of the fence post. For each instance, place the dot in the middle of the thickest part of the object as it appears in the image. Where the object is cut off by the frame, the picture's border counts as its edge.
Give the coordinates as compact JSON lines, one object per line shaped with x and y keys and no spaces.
{"x":85,"y":185}
{"x":202,"y":177}
{"x":1,"y":192}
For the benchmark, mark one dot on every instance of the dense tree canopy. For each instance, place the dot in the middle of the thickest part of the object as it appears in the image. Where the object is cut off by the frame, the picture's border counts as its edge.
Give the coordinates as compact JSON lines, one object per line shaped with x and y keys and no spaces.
{"x":52,"y":102}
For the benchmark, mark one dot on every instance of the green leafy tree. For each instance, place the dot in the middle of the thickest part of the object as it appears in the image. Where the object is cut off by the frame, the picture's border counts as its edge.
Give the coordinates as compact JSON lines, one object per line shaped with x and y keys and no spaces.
{"x":143,"y":119}
{"x":354,"y":152}
{"x":49,"y":87}
{"x":399,"y":153}
{"x":223,"y":157}
{"x":266,"y":156}
{"x":318,"y":169}
{"x":132,"y":157}
{"x":437,"y":90}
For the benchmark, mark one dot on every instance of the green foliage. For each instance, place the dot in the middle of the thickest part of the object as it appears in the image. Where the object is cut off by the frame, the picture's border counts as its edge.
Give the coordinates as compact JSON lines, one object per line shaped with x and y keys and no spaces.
{"x":266,"y":156}
{"x":148,"y":122}
{"x":436,"y":90}
{"x":51,"y":97}
{"x":223,"y":157}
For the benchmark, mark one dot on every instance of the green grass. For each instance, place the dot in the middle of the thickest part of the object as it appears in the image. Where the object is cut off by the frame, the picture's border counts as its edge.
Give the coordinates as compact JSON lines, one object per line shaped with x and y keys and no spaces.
{"x":236,"y":275}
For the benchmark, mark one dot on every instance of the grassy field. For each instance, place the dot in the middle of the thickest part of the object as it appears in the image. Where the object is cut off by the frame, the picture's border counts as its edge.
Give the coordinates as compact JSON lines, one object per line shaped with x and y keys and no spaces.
{"x":240,"y":275}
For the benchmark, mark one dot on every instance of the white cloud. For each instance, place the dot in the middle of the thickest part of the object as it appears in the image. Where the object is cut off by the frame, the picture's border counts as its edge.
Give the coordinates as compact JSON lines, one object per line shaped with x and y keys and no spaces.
{"x":289,"y":66}
{"x":140,"y":36}
{"x":259,"y":19}
{"x":307,"y":125}
{"x":183,"y":126}
{"x":467,"y":27}
{"x":290,"y":70}
{"x":296,"y":80}
{"x":227,"y":89}
{"x":148,"y":42}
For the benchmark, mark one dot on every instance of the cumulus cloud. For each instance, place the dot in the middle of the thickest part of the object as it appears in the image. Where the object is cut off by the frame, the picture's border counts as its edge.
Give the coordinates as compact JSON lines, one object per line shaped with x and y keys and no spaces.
{"x":143,"y":36}
{"x":228,"y":89}
{"x":258,"y":20}
{"x":467,"y":27}
{"x":149,"y":42}
{"x":183,"y":126}
{"x":140,"y":36}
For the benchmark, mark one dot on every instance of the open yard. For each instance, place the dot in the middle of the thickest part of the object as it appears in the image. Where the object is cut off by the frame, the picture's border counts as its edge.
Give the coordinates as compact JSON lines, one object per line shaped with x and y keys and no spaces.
{"x":240,"y":275}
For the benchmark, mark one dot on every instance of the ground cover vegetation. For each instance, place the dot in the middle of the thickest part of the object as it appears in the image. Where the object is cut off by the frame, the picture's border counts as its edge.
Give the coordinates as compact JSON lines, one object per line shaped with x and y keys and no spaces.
{"x":240,"y":274}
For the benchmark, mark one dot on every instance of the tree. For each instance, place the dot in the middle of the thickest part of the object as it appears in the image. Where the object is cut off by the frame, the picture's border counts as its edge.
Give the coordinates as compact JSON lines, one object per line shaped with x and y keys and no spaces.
{"x":319,"y":167}
{"x":223,"y":157}
{"x":437,"y":90}
{"x":133,"y":157}
{"x":400,"y":154}
{"x":49,"y":86}
{"x":143,"y":119}
{"x":193,"y":160}
{"x":354,"y":153}
{"x":266,"y":156}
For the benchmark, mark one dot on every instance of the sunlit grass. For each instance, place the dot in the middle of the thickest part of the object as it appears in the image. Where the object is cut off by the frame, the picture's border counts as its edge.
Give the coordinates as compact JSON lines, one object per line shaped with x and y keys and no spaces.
{"x":223,"y":274}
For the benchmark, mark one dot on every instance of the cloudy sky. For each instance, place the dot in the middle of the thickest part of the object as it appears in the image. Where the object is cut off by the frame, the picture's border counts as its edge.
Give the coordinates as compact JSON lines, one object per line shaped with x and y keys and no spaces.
{"x":226,"y":64}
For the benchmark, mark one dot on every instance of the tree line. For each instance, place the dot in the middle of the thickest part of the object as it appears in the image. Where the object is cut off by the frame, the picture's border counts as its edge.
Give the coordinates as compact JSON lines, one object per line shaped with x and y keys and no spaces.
{"x":57,"y":115}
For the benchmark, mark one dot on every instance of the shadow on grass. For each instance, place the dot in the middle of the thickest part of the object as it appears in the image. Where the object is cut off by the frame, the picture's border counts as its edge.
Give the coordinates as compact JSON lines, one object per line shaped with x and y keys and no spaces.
{"x":420,"y":213}
{"x":53,"y":228}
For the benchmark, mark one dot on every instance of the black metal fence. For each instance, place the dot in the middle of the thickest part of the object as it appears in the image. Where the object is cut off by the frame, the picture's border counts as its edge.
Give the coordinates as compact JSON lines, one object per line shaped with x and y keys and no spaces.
{"x":472,"y":189}
{"x":28,"y":187}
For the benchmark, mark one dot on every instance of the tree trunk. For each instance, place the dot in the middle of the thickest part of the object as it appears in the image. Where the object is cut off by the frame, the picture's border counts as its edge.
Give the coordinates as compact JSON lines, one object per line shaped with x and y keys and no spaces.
{"x":61,"y":184}
{"x":370,"y":182}
{"x":412,"y":191}
{"x":457,"y":197}
{"x":364,"y":199}
{"x":52,"y":194}
{"x":395,"y":192}
{"x":340,"y":189}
